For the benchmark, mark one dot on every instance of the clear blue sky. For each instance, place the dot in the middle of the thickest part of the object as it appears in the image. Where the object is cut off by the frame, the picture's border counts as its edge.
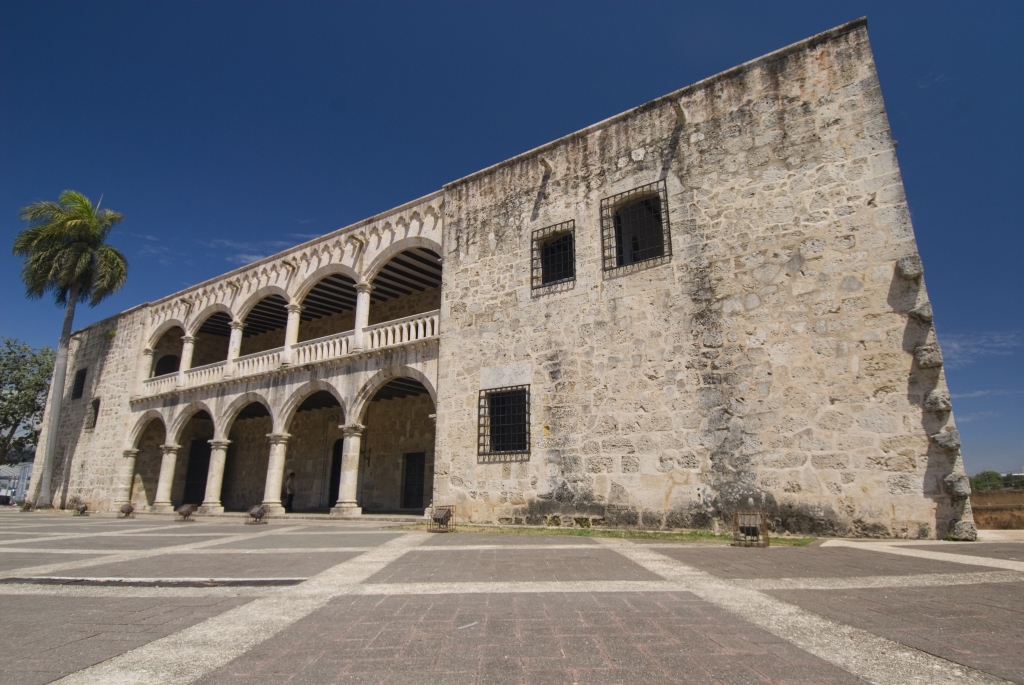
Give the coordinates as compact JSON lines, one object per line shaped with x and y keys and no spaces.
{"x":226,"y":131}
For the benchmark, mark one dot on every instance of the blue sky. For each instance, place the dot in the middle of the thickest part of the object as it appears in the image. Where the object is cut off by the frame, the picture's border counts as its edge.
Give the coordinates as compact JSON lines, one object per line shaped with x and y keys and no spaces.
{"x":226,"y":131}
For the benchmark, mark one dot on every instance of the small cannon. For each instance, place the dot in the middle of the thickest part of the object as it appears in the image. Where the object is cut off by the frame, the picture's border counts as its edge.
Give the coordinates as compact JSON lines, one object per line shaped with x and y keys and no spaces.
{"x":257,"y":514}
{"x":81,"y":508}
{"x":127,"y":511}
{"x":185,"y":511}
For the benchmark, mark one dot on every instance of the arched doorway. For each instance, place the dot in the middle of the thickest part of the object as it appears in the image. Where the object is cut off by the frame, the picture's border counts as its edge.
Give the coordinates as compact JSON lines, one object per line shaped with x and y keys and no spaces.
{"x":313,"y":429}
{"x":396,"y":465}
{"x":193,"y":462}
{"x":245,"y":465}
{"x":147,"y":464}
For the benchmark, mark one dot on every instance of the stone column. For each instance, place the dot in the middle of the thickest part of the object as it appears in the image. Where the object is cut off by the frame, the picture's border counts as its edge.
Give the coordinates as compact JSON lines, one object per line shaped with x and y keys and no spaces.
{"x":126,"y":480}
{"x":215,"y":477}
{"x":291,"y":333}
{"x":362,"y":314}
{"x":349,"y":483}
{"x":275,"y":472}
{"x":144,"y":371}
{"x":234,"y":347}
{"x":187,"y":345}
{"x":162,"y":502}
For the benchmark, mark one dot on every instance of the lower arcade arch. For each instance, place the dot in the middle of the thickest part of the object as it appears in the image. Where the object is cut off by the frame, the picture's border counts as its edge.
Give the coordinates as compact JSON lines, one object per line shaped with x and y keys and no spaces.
{"x":248,"y":454}
{"x":193,"y":460}
{"x":396,"y":460}
{"x":313,"y":429}
{"x":148,"y":457}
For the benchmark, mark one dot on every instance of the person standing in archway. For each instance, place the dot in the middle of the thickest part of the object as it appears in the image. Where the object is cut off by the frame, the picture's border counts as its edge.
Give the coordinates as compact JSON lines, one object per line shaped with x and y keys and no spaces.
{"x":289,"y":492}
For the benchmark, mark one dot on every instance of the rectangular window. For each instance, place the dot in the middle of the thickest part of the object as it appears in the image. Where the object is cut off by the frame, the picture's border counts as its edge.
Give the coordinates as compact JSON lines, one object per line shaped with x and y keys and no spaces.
{"x":94,"y":413}
{"x":504,"y":421}
{"x":79,"y":386}
{"x":554,"y":254}
{"x":634,"y":226}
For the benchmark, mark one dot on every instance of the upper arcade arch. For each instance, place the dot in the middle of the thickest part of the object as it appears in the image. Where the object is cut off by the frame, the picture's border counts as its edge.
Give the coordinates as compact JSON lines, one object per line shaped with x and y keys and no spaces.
{"x":198,"y":321}
{"x":162,"y":329}
{"x":399,"y":246}
{"x":261,"y":294}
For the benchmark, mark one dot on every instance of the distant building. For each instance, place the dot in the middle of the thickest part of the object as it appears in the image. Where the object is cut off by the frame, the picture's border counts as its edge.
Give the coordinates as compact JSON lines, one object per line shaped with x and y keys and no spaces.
{"x":711,"y":302}
{"x":14,"y":480}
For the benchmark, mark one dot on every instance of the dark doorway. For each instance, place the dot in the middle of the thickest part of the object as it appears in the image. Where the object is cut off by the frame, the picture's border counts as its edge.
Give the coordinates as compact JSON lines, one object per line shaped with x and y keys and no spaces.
{"x":195,"y":477}
{"x":412,"y":487}
{"x":335,"y":472}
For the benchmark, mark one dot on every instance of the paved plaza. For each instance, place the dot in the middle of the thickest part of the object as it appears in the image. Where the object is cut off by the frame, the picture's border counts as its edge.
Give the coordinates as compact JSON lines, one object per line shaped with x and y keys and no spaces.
{"x":104,"y":601}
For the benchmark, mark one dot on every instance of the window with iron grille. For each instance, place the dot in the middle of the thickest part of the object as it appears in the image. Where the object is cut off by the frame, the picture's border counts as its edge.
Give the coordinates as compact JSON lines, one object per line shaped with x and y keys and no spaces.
{"x":79,"y":386}
{"x":634,"y":226}
{"x":94,"y":413}
{"x":504,"y":421}
{"x":554,"y":254}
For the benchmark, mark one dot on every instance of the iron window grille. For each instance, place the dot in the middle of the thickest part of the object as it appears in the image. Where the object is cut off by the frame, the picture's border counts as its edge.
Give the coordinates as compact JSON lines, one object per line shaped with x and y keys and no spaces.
{"x":504,"y":421}
{"x":634,"y":226}
{"x":79,"y":387}
{"x":554,"y":254}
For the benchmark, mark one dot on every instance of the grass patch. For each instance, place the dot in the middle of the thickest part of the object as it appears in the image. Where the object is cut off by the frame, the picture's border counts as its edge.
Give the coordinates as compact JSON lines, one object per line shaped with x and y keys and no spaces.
{"x":705,"y":536}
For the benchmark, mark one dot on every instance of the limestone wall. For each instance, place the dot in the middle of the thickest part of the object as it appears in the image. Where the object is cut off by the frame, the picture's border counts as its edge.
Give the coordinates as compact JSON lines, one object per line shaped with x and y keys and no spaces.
{"x":395,"y":428}
{"x":769,"y":362}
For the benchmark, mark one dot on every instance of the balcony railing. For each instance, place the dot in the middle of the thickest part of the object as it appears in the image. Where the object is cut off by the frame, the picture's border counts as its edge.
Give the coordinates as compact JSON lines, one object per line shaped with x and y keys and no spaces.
{"x":321,"y":349}
{"x":258,"y":362}
{"x":400,"y":331}
{"x":202,"y":375}
{"x":388,"y":334}
{"x":160,"y":384}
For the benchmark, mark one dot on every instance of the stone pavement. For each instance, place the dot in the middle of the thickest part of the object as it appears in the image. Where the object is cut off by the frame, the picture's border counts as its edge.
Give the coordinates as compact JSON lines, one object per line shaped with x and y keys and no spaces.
{"x":98,"y":600}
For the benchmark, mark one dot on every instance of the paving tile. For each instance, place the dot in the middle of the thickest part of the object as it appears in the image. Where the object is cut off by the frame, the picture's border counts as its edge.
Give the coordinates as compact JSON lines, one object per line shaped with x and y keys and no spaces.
{"x":448,"y":539}
{"x":309,"y":540}
{"x":1011,"y":551}
{"x":505,"y":649}
{"x":511,"y":565}
{"x":984,"y":631}
{"x":213,"y":565}
{"x":61,"y":635}
{"x":11,"y":561}
{"x":806,"y":562}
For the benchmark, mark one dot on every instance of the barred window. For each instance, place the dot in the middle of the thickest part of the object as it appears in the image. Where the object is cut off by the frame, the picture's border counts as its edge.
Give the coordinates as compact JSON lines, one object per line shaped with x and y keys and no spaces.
{"x":504,"y":421}
{"x":94,"y":413}
{"x":79,"y":387}
{"x":634,"y":226}
{"x":554,"y":254}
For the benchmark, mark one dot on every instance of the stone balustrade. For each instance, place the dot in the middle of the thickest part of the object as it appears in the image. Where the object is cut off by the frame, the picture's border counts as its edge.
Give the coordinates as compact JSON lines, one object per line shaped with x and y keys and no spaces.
{"x":204,"y":375}
{"x":388,"y":334}
{"x":322,"y":349}
{"x":258,"y":362}
{"x":401,"y":331}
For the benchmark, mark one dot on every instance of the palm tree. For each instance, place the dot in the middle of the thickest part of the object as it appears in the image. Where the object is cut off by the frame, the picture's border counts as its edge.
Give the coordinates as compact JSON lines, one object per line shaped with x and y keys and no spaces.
{"x":65,"y":255}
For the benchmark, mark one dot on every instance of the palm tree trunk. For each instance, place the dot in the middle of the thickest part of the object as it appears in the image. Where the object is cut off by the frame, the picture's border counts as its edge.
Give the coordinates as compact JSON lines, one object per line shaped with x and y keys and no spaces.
{"x":44,"y":493}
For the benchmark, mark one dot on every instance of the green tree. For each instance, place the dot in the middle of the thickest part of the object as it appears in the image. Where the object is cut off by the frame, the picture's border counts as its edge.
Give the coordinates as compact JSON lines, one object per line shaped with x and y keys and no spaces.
{"x":24,"y":381}
{"x":987,"y":480}
{"x":65,"y":254}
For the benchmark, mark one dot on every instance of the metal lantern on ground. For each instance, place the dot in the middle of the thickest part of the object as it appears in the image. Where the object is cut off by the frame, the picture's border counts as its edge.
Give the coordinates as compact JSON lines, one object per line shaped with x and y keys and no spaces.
{"x":185,"y":512}
{"x":127,"y":511}
{"x":442,"y":519}
{"x":749,"y":529}
{"x":257,"y":514}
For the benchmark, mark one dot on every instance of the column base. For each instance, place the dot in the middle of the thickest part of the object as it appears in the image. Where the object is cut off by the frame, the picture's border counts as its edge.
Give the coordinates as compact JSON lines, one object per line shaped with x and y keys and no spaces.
{"x":211,"y":509}
{"x":346,"y":509}
{"x":162,"y":508}
{"x":273,"y":507}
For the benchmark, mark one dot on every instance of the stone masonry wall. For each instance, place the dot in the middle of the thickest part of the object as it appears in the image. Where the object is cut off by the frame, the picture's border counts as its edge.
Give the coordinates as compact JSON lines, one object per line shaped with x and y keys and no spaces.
{"x":395,"y":428}
{"x":783,"y":357}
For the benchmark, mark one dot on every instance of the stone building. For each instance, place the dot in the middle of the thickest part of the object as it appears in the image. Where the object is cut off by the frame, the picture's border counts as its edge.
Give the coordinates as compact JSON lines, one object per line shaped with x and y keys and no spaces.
{"x":712,"y":301}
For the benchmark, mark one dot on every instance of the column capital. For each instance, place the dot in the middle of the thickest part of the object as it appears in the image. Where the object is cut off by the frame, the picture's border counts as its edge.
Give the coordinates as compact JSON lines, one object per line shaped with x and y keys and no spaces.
{"x":364,"y":287}
{"x":168,"y":449}
{"x":219,"y":444}
{"x":279,"y":438}
{"x":352,"y":429}
{"x":130,"y":454}
{"x":236,"y":325}
{"x":294,"y":308}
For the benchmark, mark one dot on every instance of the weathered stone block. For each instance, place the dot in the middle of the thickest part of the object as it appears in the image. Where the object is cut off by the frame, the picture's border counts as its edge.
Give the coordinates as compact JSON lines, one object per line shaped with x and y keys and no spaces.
{"x":928,"y":356}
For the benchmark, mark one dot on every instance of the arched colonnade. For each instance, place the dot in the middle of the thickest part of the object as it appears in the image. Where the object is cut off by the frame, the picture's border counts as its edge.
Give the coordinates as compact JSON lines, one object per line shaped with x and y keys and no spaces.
{"x":223,"y":448}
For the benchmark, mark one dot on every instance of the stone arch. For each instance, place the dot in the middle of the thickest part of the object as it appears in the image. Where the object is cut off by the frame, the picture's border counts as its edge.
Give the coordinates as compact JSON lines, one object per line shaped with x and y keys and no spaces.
{"x":140,"y":426}
{"x":395,"y":248}
{"x":199,"y":319}
{"x":167,"y":325}
{"x":296,"y":399}
{"x":323,"y":272}
{"x":183,"y":417}
{"x":222,"y":427}
{"x":261,"y":294}
{"x":366,"y":393}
